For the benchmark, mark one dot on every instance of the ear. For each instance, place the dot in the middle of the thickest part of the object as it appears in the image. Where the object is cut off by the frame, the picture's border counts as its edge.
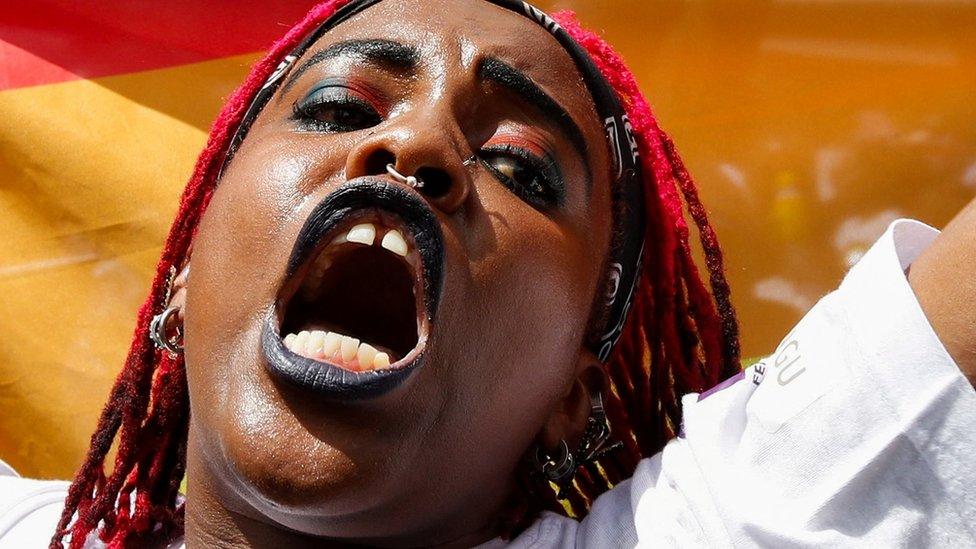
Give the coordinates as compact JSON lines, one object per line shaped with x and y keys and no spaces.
{"x":568,"y":419}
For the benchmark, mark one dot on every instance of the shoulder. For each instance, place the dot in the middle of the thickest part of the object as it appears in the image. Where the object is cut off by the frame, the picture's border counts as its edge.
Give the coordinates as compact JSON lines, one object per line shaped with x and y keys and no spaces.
{"x":858,"y":429}
{"x":29,"y":508}
{"x":859,"y":408}
{"x":549,"y":531}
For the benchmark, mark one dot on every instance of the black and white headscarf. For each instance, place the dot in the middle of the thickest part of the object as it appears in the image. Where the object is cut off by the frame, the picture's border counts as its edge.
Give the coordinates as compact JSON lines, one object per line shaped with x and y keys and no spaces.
{"x":627,"y":248}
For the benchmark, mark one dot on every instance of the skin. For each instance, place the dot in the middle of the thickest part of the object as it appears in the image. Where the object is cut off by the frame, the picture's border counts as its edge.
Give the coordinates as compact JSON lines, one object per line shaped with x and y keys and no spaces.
{"x":942,"y":280}
{"x":433,"y":462}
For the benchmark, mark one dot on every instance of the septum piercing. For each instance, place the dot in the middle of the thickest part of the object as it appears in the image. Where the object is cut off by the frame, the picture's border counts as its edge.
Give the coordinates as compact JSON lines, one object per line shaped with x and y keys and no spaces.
{"x":411,"y":180}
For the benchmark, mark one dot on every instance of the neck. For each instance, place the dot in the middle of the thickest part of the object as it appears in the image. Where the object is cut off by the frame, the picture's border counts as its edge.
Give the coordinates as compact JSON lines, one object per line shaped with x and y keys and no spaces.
{"x":210,"y":523}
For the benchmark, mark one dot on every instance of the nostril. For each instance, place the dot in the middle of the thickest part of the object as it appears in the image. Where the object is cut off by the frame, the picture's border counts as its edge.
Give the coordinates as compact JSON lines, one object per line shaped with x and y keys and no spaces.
{"x":377,"y":160}
{"x":437,"y":182}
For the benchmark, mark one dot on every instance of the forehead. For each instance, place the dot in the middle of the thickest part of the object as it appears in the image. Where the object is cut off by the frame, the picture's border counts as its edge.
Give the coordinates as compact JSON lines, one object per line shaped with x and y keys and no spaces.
{"x":461,"y":33}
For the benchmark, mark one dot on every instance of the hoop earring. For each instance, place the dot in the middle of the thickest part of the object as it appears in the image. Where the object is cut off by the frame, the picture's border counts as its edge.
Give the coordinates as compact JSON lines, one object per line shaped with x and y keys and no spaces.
{"x":555,"y":469}
{"x":157,"y":332}
{"x":157,"y":326}
{"x":561,"y":470}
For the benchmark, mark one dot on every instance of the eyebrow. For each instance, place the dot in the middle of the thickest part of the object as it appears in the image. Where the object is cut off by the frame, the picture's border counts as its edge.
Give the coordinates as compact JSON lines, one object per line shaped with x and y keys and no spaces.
{"x":495,"y":70}
{"x":375,"y":51}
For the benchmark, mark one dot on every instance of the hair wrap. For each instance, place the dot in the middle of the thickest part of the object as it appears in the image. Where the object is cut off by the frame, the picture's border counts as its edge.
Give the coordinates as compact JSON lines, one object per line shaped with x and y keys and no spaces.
{"x":627,"y":247}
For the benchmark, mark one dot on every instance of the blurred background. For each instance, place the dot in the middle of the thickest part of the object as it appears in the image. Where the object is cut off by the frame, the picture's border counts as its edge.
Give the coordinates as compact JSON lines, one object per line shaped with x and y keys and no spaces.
{"x":809,"y":125}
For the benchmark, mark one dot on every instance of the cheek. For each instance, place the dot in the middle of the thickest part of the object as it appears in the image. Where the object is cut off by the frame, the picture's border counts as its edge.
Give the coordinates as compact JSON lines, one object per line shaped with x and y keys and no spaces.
{"x":540,"y":279}
{"x":518,"y":329}
{"x":244,"y":239}
{"x":239,"y":249}
{"x":239,"y":255}
{"x":535,"y":286}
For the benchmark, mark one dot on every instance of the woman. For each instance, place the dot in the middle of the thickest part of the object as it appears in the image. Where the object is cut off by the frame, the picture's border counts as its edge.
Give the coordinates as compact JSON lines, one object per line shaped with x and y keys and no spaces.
{"x":433,"y":262}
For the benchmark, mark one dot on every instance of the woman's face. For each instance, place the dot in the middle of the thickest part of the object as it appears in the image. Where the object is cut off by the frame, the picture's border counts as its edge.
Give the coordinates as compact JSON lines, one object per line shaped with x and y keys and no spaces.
{"x":495,"y":344}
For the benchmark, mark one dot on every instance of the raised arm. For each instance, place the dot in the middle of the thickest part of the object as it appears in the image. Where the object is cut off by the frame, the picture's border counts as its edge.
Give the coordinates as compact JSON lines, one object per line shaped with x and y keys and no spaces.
{"x":944,"y":280}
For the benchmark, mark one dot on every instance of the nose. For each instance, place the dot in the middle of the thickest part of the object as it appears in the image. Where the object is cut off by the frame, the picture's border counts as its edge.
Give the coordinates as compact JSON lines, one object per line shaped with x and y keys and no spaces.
{"x":419,"y":148}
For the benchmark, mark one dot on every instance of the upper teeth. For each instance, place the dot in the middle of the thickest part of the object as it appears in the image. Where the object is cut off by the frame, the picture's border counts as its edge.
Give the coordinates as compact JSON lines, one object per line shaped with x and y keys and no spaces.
{"x":395,"y":242}
{"x":365,"y":233}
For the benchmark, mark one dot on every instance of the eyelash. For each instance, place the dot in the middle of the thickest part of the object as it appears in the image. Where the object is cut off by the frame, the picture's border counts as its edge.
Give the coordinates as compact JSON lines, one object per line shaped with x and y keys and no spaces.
{"x":552,"y":193}
{"x":307,"y":113}
{"x":308,"y":110}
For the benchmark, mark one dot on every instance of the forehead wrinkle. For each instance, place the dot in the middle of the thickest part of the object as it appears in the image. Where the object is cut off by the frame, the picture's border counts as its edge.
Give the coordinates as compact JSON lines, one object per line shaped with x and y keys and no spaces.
{"x":437,"y":55}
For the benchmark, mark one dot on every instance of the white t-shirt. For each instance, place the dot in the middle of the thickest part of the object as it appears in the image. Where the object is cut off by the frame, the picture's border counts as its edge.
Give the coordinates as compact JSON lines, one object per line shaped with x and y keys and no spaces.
{"x":859,"y":430}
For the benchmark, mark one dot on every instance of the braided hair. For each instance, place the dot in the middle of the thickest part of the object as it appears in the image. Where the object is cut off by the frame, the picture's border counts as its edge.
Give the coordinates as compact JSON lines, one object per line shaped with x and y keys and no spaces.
{"x":680,"y":336}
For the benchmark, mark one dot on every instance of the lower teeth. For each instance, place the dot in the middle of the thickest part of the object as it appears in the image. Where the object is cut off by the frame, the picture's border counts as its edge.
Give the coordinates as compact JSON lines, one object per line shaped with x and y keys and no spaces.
{"x":348,"y":352}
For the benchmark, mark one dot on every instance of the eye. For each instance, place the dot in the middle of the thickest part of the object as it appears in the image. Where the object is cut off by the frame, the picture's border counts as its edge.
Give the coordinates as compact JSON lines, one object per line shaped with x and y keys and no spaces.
{"x":533,"y":179}
{"x":334,"y":109}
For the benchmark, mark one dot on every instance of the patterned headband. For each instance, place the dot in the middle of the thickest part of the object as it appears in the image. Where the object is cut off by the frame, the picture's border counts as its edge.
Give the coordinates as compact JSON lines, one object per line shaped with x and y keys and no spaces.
{"x":627,"y":246}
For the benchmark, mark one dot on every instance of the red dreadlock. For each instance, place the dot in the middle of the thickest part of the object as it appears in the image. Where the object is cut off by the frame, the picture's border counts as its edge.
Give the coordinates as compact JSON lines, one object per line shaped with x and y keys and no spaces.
{"x":676,"y":340}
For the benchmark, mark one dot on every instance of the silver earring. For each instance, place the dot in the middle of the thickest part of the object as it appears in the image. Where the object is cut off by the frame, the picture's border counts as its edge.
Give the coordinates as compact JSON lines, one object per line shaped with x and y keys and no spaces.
{"x":157,"y":327}
{"x":157,"y":332}
{"x":596,"y":436}
{"x":558,"y":469}
{"x":411,"y":180}
{"x":561,"y":469}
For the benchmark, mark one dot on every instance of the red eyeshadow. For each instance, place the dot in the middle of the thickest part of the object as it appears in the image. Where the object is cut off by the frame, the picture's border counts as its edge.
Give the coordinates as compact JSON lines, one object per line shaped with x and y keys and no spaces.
{"x":531,"y":143}
{"x":362,"y":88}
{"x":370,"y":94}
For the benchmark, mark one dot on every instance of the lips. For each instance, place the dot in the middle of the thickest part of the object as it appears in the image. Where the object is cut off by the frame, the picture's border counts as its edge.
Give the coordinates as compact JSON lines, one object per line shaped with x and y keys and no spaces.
{"x":354,"y":315}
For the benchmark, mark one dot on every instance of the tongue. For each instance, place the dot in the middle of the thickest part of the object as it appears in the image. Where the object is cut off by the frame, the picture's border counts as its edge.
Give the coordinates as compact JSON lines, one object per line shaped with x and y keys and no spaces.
{"x":343,"y":351}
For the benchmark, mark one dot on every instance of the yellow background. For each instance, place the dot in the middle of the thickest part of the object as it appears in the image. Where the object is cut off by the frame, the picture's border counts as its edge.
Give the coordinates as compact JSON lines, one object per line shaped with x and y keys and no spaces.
{"x":809,"y":125}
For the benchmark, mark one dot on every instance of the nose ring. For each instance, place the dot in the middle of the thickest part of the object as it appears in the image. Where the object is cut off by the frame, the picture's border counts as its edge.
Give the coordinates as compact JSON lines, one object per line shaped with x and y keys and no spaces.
{"x":411,"y":180}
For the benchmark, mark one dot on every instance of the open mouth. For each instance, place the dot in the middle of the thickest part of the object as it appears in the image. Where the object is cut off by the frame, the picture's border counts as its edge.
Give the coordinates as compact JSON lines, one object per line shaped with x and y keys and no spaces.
{"x":354,"y":315}
{"x":358,"y":303}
